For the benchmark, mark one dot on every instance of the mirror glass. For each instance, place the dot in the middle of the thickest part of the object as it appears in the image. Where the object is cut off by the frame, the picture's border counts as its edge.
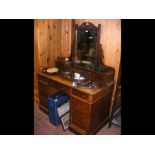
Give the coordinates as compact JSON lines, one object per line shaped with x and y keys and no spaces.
{"x":85,"y":46}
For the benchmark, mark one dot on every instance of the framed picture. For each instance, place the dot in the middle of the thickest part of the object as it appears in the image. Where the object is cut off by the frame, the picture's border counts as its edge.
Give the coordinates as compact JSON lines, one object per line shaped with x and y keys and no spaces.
{"x":65,"y":120}
{"x":63,"y":109}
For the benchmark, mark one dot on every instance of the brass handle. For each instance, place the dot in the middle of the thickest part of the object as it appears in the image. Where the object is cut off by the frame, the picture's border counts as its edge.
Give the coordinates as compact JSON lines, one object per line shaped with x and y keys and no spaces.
{"x":83,"y":107}
{"x":54,"y":85}
{"x":83,"y":116}
{"x":43,"y":82}
{"x":74,"y":92}
{"x":83,"y":96}
{"x":62,"y":88}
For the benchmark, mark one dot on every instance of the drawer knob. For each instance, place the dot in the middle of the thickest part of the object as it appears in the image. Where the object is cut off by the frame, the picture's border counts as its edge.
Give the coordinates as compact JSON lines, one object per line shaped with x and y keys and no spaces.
{"x":83,"y":96}
{"x":74,"y":92}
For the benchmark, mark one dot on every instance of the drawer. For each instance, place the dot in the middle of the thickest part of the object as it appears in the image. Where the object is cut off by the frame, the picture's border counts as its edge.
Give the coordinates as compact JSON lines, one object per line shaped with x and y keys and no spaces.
{"x":43,"y":78}
{"x":43,"y":102}
{"x":94,"y":75}
{"x":79,"y":115}
{"x":43,"y":109}
{"x":78,"y":123}
{"x":80,"y":94}
{"x":78,"y":104}
{"x":60,"y":87}
{"x":43,"y":89}
{"x":52,"y":90}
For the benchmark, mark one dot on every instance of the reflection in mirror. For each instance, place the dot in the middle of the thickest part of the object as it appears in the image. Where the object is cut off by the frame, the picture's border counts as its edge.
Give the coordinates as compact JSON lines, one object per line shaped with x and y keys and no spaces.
{"x":86,"y":46}
{"x":85,"y":53}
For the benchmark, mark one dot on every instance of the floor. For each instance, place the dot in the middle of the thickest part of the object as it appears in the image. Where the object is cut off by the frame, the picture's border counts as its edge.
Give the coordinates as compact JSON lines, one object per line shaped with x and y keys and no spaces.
{"x":42,"y":126}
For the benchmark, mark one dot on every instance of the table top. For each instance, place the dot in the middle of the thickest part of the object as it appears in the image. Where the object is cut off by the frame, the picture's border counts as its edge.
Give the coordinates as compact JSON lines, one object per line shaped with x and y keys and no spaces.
{"x":68,"y":83}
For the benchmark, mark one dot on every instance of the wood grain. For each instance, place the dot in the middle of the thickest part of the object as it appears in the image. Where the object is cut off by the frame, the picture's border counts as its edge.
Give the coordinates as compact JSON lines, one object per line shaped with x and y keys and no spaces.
{"x":52,"y":38}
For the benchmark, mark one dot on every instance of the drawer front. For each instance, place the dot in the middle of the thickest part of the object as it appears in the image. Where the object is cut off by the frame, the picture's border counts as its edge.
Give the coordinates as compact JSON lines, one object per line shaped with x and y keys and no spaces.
{"x":78,"y":104}
{"x":80,"y":94}
{"x":78,"y":123}
{"x":43,"y":89}
{"x":79,"y":113}
{"x":43,"y":78}
{"x":52,"y":90}
{"x":60,"y":87}
{"x":43,"y":109}
{"x":82,"y":116}
{"x":94,"y":76}
{"x":43,"y":102}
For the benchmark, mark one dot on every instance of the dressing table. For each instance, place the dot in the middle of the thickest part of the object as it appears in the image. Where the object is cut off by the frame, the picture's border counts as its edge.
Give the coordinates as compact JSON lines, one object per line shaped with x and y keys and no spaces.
{"x":89,"y":106}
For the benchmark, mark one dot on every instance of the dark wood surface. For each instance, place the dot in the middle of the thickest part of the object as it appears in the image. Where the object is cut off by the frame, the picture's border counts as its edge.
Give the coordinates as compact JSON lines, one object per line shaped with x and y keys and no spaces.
{"x":89,"y":108}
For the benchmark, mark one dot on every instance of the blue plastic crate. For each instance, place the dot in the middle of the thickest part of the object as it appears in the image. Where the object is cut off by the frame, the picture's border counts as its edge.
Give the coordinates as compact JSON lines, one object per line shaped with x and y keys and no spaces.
{"x":54,"y":101}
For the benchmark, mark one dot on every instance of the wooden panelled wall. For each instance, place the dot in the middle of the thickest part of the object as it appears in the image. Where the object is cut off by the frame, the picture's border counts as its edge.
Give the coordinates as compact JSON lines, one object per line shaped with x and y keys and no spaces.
{"x":53,"y":39}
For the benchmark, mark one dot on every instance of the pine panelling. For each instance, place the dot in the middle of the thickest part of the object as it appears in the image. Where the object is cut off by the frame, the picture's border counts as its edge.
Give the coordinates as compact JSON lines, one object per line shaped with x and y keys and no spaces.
{"x":35,"y":46}
{"x":42,"y":42}
{"x":58,"y":39}
{"x":51,"y":41}
{"x":66,"y":30}
{"x":36,"y":97}
{"x":48,"y":41}
{"x":54,"y":40}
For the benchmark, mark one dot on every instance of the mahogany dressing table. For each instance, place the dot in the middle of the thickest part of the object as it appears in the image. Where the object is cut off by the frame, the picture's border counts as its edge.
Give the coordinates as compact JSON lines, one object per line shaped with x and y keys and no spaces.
{"x":89,"y":107}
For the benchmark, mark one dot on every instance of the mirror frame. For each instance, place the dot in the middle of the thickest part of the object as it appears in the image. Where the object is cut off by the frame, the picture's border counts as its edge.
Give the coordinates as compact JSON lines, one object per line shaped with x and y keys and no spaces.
{"x":88,"y":26}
